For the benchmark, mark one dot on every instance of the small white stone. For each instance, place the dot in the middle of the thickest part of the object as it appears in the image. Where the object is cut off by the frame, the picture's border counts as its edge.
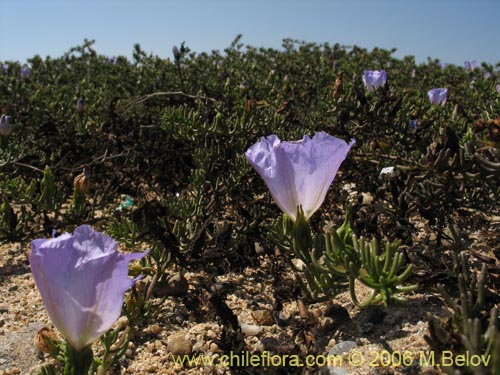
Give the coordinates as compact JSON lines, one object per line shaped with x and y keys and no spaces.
{"x":250,"y":329}
{"x":387,"y":170}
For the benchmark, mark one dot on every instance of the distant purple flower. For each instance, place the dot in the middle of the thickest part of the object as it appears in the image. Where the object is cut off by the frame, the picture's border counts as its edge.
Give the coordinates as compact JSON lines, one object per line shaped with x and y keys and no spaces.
{"x":5,"y":68}
{"x":244,"y":85}
{"x":413,"y":124}
{"x":298,"y":173}
{"x":443,"y":65}
{"x":80,"y":105}
{"x":413,"y":73}
{"x":25,"y":71}
{"x":5,"y":126}
{"x":498,"y":88}
{"x":471,"y":65}
{"x":82,"y":279}
{"x":374,"y":79}
{"x":113,"y":60}
{"x":176,"y":52}
{"x":486,"y":75}
{"x":438,"y":96}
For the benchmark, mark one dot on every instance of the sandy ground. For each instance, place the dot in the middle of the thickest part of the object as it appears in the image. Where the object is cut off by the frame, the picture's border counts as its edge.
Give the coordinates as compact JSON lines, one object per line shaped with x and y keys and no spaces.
{"x":384,"y":341}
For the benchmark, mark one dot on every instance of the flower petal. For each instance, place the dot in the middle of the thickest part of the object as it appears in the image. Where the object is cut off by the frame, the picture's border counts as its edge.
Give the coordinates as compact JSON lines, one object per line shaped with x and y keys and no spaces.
{"x":82,"y":280}
{"x":298,"y":173}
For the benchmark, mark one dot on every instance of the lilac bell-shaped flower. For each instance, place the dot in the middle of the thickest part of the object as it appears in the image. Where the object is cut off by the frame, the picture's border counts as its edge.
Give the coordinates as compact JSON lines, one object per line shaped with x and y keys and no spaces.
{"x":80,"y":105}
{"x":374,"y":79}
{"x":5,"y":126}
{"x":471,"y":65}
{"x":298,"y":173}
{"x":82,"y":279}
{"x":25,"y":71}
{"x":438,"y":96}
{"x":176,"y":52}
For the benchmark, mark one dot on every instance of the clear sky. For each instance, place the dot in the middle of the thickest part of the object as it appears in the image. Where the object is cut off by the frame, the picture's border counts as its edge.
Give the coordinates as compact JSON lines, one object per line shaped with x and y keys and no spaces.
{"x":450,"y":30}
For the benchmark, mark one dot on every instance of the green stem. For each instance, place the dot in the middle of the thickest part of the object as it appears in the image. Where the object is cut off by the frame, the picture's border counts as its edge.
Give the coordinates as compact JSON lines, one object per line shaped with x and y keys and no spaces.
{"x":4,"y":141}
{"x":78,"y":362}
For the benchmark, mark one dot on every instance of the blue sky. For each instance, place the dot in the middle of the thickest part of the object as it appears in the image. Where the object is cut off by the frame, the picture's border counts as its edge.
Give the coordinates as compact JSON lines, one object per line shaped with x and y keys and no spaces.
{"x":450,"y":30}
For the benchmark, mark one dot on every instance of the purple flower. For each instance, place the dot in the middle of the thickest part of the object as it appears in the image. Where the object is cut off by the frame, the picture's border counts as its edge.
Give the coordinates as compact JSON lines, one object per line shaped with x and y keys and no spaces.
{"x":176,"y":52}
{"x":413,"y":124}
{"x":82,"y":279}
{"x":471,"y":65}
{"x":374,"y":78}
{"x":498,"y":88}
{"x":486,"y":75}
{"x":5,"y":126}
{"x":113,"y":60}
{"x":5,"y":68}
{"x":80,"y":105}
{"x":438,"y":96}
{"x":298,"y":173}
{"x":25,"y":71}
{"x":413,"y":73}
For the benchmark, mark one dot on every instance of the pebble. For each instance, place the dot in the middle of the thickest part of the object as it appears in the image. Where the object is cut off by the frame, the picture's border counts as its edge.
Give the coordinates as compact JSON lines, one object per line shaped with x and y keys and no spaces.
{"x":175,"y":286}
{"x":153,"y":368}
{"x":298,"y":263}
{"x":179,"y":345}
{"x":326,"y":325}
{"x":250,"y":329}
{"x":263,"y":317}
{"x":342,"y":347}
{"x":4,"y":308}
{"x":121,"y":323}
{"x":213,"y":347}
{"x":155,"y":329}
{"x":269,"y":343}
{"x":178,"y":285}
{"x":337,"y":312}
{"x":333,"y":370}
{"x":367,"y":327}
{"x":376,"y":315}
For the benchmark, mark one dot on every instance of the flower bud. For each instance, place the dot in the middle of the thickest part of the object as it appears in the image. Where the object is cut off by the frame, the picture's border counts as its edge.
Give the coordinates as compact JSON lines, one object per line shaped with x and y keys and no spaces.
{"x":82,"y":182}
{"x":5,"y":126}
{"x":337,"y":88}
{"x":46,"y":340}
